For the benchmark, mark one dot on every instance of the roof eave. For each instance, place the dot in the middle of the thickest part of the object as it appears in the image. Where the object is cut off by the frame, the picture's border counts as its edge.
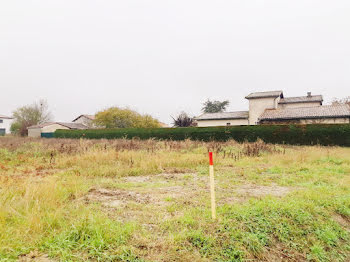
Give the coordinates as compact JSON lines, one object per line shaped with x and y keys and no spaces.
{"x":77,"y":118}
{"x":296,"y":102}
{"x":261,"y":97}
{"x":226,"y":118}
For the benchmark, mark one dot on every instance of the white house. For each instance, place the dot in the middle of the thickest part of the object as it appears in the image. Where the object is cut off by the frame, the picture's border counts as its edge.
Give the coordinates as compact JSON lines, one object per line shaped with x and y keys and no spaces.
{"x":5,"y":124}
{"x":45,"y":128}
{"x":273,"y":108}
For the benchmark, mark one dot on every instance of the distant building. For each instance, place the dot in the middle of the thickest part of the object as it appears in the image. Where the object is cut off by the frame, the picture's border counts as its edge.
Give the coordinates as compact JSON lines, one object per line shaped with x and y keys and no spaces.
{"x":333,"y":114}
{"x":5,"y":124}
{"x":49,"y":128}
{"x":163,"y":125}
{"x":85,"y":120}
{"x":238,"y":118}
{"x":273,"y":108}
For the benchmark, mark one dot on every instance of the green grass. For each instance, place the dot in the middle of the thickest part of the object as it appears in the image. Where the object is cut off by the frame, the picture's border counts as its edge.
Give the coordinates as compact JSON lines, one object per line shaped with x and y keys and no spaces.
{"x":119,"y":200}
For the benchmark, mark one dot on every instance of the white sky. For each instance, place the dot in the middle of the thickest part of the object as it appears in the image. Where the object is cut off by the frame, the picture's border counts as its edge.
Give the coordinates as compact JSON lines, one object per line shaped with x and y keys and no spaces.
{"x":162,"y":57}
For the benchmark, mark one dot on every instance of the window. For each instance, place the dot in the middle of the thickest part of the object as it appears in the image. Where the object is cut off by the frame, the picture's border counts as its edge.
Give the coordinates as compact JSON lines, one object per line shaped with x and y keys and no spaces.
{"x":228,"y":124}
{"x":1,"y":121}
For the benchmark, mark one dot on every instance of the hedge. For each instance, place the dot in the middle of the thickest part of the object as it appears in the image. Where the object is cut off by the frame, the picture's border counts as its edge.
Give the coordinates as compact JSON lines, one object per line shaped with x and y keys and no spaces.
{"x":337,"y":134}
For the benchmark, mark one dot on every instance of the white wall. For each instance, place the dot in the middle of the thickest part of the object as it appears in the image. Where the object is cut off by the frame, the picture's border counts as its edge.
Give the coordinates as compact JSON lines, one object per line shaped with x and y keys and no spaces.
{"x":34,"y":132}
{"x":6,"y":125}
{"x":52,"y":128}
{"x":258,"y":105}
{"x":233,"y":122}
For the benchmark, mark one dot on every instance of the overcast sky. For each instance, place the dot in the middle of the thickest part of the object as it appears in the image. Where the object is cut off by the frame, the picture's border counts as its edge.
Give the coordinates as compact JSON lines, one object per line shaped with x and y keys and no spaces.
{"x":161,"y":57}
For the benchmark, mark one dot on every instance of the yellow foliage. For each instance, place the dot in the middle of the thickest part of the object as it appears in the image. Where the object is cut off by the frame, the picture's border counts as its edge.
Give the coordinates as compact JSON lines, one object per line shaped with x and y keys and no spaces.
{"x":115,"y":117}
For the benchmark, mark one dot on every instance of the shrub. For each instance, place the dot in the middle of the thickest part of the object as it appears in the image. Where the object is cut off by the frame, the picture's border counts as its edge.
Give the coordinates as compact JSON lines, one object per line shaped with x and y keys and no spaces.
{"x":115,"y":117}
{"x":277,"y":134}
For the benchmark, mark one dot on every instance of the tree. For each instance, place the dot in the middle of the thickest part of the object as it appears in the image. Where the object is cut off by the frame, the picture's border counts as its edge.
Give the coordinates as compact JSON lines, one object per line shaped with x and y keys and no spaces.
{"x":115,"y":117}
{"x":215,"y":106}
{"x":29,"y":115}
{"x":337,"y":101}
{"x":183,"y":120}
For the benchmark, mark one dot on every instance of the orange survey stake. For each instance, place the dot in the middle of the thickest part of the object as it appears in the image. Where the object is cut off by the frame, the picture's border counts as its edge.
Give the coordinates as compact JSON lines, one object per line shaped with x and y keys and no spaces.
{"x":211,"y":162}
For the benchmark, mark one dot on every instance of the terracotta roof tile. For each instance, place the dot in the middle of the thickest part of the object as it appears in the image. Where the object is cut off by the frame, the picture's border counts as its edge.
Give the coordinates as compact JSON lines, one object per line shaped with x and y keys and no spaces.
{"x":333,"y":111}
{"x":301,"y":99}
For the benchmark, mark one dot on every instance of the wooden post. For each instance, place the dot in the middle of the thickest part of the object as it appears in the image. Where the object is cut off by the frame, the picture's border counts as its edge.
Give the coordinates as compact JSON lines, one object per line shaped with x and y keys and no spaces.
{"x":212,"y":185}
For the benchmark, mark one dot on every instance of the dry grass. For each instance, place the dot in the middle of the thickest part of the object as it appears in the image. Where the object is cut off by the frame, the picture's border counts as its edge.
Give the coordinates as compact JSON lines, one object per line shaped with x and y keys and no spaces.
{"x":132,"y":200}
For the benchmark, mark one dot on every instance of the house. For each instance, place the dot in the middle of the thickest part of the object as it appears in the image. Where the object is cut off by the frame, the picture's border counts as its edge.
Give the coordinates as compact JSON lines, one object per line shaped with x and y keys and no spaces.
{"x":85,"y":120}
{"x":273,"y":108}
{"x":332,"y":114}
{"x":42,"y":130}
{"x":238,"y":118}
{"x":5,"y":124}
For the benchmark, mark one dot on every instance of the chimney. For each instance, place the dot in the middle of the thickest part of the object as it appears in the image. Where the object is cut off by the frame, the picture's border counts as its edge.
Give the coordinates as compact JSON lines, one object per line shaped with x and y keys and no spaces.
{"x":308,"y":94}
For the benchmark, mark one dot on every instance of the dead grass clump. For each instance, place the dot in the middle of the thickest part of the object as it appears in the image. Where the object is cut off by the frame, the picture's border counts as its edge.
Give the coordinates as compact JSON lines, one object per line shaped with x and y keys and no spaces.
{"x":258,"y":147}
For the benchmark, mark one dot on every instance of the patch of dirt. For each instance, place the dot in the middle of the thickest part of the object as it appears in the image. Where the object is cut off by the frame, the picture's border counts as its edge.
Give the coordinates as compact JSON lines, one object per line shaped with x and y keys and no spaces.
{"x":182,"y":176}
{"x":243,"y":192}
{"x":35,"y":256}
{"x":137,"y":179}
{"x":258,"y":191}
{"x":343,"y":221}
{"x":279,"y":253}
{"x":116,"y":197}
{"x":113,"y":198}
{"x":166,"y":176}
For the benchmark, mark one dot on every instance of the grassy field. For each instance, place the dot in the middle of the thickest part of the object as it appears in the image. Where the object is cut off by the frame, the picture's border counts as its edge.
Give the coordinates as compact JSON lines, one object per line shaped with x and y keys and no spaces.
{"x":129,"y":200}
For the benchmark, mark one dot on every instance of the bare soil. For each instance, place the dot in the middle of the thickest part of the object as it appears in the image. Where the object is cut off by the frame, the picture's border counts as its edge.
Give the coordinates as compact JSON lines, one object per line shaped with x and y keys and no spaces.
{"x":35,"y":256}
{"x":343,"y":221}
{"x":165,"y":177}
{"x":116,"y":197}
{"x":244,"y":192}
{"x":159,"y":189}
{"x":179,"y":186}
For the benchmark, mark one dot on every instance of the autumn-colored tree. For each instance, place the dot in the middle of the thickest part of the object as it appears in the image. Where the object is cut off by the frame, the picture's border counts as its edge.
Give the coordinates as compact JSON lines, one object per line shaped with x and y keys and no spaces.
{"x":115,"y":117}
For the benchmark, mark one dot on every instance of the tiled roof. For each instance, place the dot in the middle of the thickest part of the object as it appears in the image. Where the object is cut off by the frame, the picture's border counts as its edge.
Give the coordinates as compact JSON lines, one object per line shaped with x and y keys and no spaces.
{"x":333,"y":111}
{"x":5,"y":117}
{"x":73,"y":125}
{"x":301,"y":99}
{"x":68,"y":125}
{"x":42,"y":125}
{"x":91,"y":117}
{"x":223,"y":115}
{"x":265,"y":94}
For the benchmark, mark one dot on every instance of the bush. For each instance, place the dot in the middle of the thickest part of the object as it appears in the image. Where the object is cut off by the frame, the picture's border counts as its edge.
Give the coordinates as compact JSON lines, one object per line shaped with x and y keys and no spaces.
{"x":277,"y":134}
